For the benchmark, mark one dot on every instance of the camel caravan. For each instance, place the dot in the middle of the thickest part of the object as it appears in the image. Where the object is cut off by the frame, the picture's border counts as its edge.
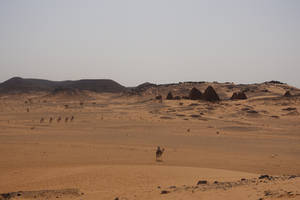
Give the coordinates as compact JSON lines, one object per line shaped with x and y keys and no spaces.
{"x":71,"y":119}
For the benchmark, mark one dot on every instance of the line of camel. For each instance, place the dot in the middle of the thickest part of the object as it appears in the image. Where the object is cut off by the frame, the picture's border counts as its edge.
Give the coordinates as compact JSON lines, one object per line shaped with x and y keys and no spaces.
{"x":58,"y":119}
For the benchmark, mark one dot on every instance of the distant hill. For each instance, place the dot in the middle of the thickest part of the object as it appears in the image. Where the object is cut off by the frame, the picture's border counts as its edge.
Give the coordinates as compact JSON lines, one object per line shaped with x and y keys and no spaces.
{"x":21,"y":85}
{"x":141,"y":88}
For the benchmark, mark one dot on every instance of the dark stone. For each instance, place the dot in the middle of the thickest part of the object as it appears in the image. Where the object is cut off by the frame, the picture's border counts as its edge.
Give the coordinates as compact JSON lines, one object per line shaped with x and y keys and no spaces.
{"x":164,"y":192}
{"x":185,"y":97}
{"x":265,"y":176}
{"x":158,"y":97}
{"x":202,"y":182}
{"x":268,"y":193}
{"x":177,"y":97}
{"x":289,"y":109}
{"x":292,"y":176}
{"x":6,"y":195}
{"x":245,"y":109}
{"x":275,"y":116}
{"x":252,"y":111}
{"x":195,"y":94}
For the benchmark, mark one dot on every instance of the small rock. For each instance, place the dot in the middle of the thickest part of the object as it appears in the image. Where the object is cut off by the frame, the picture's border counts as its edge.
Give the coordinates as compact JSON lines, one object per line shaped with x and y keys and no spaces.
{"x":252,"y":111}
{"x":289,"y":109}
{"x":267,"y":193}
{"x":292,"y":176}
{"x":202,"y":182}
{"x":164,"y":192}
{"x":159,"y":97}
{"x":265,"y":176}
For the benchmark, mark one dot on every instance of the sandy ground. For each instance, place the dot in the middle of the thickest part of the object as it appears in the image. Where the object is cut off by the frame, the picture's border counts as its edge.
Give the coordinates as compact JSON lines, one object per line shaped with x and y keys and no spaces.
{"x":108,"y":150}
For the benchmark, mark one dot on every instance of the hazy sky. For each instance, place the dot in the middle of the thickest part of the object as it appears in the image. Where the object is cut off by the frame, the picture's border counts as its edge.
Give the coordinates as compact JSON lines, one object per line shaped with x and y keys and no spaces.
{"x":160,"y":41}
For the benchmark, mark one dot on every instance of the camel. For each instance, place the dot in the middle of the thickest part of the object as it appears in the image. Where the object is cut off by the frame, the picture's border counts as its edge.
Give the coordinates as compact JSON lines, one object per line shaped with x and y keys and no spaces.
{"x":42,"y":120}
{"x":66,"y":119}
{"x":50,"y":120}
{"x":58,"y":119}
{"x":159,"y":153}
{"x":72,"y":118}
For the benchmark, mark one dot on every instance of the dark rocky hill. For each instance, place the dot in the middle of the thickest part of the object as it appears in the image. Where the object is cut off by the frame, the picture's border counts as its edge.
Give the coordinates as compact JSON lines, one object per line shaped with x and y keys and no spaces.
{"x":21,"y":85}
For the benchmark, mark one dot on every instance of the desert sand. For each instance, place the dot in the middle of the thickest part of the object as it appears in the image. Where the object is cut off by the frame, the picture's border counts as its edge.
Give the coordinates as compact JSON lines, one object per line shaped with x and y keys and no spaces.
{"x":108,"y":150}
